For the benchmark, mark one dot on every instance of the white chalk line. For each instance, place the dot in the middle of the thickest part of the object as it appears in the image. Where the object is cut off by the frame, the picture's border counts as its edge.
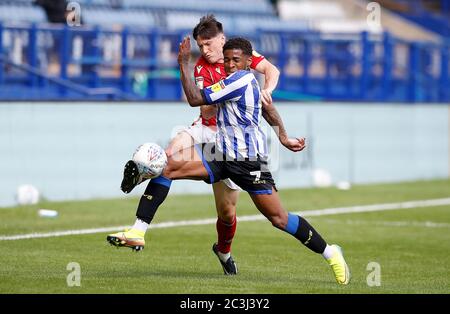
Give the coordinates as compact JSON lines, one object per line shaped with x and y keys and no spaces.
{"x":386,"y":223}
{"x":197,"y":222}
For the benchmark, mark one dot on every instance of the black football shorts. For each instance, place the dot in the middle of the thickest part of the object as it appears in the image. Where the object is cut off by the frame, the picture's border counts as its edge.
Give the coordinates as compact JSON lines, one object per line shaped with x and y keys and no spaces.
{"x":252,"y":176}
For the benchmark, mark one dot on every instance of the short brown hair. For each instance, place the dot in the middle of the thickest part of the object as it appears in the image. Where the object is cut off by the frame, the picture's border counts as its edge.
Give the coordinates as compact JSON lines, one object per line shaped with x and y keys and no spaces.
{"x":208,"y":27}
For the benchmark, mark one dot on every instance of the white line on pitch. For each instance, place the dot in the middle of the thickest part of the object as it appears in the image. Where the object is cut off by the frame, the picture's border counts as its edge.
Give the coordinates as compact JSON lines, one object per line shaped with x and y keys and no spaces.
{"x":421,"y":224}
{"x":307,"y":213}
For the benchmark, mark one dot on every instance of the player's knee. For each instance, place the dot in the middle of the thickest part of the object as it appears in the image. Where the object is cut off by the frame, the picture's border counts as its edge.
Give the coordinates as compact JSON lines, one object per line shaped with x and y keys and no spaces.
{"x":227,"y":212}
{"x":278,"y":221}
{"x":172,"y":148}
{"x":180,"y":142}
{"x":168,"y":151}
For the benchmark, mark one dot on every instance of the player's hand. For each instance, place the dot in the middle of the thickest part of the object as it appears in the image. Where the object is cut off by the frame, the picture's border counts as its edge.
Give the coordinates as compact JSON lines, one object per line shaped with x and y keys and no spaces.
{"x":184,"y":51}
{"x":266,"y":97}
{"x":295,"y":144}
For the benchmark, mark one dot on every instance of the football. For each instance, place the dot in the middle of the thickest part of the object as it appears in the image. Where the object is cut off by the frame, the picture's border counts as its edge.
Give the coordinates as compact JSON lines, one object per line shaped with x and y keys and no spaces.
{"x":150,"y":159}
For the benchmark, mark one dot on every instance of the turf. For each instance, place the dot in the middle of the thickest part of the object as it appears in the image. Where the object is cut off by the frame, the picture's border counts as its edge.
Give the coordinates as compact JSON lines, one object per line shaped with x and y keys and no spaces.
{"x":410,"y":245}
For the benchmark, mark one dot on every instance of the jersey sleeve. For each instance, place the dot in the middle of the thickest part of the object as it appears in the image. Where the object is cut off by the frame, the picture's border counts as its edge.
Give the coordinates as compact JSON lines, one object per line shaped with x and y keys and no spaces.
{"x":201,"y":76}
{"x":256,"y":59}
{"x":230,"y":88}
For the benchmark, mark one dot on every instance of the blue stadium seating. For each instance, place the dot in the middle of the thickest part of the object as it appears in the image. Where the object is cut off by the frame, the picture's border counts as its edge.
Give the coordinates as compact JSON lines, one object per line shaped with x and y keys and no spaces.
{"x":21,"y":12}
{"x":108,"y":17}
{"x":127,"y":50}
{"x":437,"y":20}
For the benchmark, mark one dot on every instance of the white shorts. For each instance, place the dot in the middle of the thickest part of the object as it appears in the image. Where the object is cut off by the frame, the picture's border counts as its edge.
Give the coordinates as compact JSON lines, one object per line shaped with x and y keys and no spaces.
{"x":204,"y":134}
{"x":201,"y":133}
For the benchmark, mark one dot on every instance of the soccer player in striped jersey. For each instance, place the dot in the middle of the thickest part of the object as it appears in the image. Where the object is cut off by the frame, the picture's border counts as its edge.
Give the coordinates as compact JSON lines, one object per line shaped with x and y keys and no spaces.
{"x":240,"y":150}
{"x":208,"y":70}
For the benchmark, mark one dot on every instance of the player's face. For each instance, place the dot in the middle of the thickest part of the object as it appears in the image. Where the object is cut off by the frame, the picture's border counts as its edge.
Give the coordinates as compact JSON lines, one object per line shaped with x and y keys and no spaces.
{"x":211,"y":48}
{"x":235,"y":59}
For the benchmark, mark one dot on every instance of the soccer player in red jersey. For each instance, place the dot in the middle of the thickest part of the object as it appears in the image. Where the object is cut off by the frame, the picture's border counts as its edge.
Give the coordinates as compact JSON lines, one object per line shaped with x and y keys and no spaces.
{"x":208,"y":70}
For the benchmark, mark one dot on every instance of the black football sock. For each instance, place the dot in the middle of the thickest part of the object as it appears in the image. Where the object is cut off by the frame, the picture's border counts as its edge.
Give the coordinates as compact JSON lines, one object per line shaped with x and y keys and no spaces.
{"x":303,"y":231}
{"x":155,"y":194}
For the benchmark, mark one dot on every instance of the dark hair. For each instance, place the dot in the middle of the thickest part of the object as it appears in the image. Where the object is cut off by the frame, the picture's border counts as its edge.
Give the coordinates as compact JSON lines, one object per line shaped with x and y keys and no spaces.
{"x":208,"y":27}
{"x":239,"y":43}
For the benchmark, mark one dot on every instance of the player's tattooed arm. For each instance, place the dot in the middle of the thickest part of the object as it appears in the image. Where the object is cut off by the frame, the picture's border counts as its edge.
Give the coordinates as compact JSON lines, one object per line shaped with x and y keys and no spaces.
{"x":193,"y":94}
{"x":274,"y":119}
{"x":270,"y":113}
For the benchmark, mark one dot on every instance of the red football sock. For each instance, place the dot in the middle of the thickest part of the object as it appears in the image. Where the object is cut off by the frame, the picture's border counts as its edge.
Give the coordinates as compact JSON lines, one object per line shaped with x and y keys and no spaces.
{"x":225,"y":235}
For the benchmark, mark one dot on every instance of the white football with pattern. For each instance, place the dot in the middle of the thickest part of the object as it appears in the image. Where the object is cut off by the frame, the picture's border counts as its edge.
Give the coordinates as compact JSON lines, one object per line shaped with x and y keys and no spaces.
{"x":151,"y":160}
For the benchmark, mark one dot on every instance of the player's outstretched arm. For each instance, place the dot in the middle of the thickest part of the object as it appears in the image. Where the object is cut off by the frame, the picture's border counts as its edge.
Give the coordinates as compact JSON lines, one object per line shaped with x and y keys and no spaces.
{"x":274,"y":119}
{"x":193,"y":94}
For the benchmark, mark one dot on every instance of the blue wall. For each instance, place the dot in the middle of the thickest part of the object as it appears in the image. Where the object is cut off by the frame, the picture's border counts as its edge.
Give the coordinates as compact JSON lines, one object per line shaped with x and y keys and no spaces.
{"x":77,"y":150}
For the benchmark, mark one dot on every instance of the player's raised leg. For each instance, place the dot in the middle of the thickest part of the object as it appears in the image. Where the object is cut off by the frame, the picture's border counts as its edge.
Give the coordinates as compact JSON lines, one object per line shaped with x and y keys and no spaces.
{"x":270,"y":206}
{"x":184,"y":164}
{"x":131,"y":175}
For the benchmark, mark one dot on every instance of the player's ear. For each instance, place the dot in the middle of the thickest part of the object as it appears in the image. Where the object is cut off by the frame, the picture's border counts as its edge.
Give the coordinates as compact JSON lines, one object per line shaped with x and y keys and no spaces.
{"x":249,"y":62}
{"x":222,"y":39}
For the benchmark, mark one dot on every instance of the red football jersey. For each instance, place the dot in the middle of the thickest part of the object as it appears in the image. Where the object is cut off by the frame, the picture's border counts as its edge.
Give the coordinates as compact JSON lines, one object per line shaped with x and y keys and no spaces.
{"x":207,"y":74}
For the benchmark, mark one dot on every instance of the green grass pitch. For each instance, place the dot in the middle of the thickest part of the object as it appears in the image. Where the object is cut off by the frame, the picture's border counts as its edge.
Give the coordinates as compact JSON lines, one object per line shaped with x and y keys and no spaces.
{"x":410,"y":245}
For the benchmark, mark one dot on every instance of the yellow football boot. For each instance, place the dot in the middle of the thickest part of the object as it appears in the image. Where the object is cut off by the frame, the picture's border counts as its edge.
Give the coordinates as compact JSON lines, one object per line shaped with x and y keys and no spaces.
{"x":131,"y":238}
{"x":339,"y":266}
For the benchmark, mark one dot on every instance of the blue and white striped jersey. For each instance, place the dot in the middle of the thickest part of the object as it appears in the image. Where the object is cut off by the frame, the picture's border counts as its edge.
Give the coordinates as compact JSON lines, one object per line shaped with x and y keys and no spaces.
{"x":239,"y":134}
